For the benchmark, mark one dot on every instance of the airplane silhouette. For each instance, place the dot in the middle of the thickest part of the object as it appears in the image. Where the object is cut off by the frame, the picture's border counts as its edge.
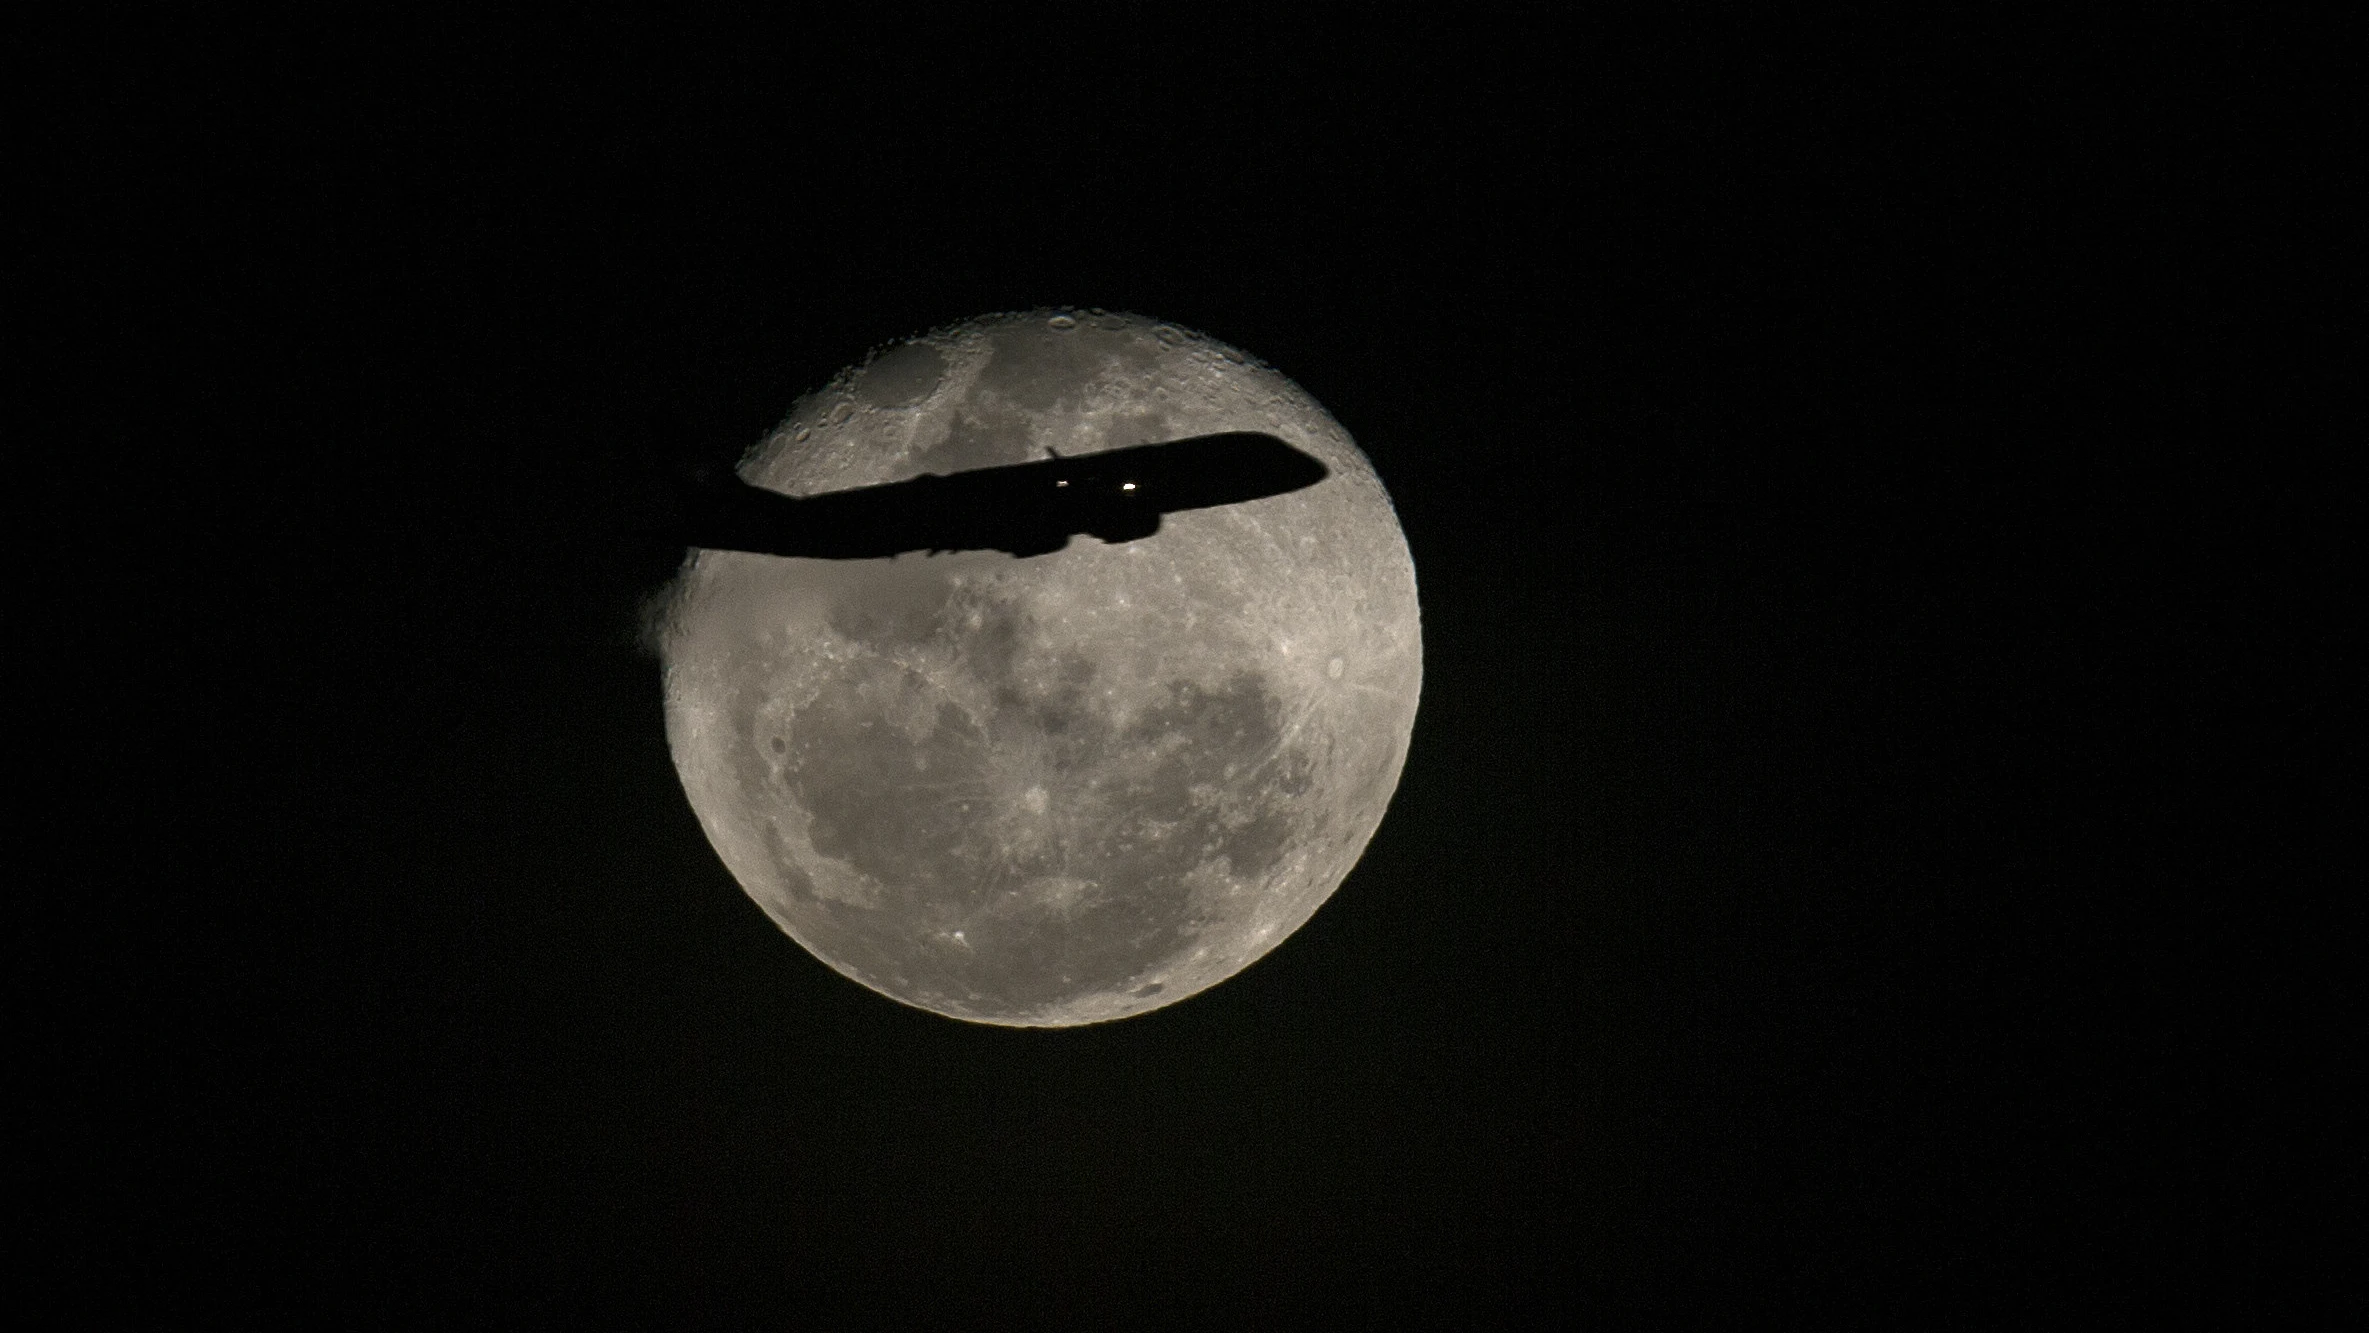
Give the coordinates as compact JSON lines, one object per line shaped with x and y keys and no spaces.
{"x":1025,"y":509}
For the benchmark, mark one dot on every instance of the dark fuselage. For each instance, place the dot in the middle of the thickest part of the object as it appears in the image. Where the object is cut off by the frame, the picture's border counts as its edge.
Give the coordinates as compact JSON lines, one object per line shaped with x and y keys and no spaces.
{"x":1025,"y":509}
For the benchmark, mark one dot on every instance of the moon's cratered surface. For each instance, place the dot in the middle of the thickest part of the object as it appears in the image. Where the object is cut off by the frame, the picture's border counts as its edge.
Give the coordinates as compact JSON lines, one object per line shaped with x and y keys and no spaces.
{"x":1064,"y":789}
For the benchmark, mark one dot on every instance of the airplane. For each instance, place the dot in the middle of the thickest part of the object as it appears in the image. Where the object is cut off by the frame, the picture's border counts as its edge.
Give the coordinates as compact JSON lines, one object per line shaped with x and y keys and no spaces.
{"x":1025,"y":509}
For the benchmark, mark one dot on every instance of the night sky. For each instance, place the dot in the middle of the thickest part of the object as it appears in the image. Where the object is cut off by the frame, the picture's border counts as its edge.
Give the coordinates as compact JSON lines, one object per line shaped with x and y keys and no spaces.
{"x":1794,"y":898}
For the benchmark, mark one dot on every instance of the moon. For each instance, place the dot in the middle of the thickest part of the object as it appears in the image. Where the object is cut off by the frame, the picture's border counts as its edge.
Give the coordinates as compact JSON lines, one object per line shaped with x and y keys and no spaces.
{"x":1065,"y":789}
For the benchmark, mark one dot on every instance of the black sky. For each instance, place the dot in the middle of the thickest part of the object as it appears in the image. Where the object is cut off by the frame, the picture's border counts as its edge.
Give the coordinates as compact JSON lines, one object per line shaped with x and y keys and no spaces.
{"x":1827,"y":538}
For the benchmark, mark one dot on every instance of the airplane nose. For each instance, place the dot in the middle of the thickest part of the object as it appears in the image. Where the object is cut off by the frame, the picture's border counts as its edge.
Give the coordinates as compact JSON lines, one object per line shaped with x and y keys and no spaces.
{"x":1302,"y":470}
{"x":1278,"y":464}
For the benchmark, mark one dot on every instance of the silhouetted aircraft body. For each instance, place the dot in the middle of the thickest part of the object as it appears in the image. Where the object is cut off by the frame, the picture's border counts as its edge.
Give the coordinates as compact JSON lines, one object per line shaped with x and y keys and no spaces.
{"x":1025,"y":509}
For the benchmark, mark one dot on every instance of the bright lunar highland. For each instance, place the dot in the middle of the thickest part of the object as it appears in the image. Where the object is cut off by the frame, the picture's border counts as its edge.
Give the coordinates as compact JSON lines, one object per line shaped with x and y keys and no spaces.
{"x":1064,"y":789}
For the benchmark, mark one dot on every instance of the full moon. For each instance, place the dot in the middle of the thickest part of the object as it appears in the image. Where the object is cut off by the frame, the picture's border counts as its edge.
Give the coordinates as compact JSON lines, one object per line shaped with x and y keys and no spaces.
{"x":1064,"y":789}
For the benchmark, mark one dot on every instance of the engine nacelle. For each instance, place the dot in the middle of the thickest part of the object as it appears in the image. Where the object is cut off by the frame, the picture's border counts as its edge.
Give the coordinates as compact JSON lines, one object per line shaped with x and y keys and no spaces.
{"x":1125,"y":525}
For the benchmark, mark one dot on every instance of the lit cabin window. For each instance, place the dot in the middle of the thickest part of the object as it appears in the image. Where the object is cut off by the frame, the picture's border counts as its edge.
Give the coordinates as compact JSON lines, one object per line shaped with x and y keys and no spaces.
{"x":1126,"y":485}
